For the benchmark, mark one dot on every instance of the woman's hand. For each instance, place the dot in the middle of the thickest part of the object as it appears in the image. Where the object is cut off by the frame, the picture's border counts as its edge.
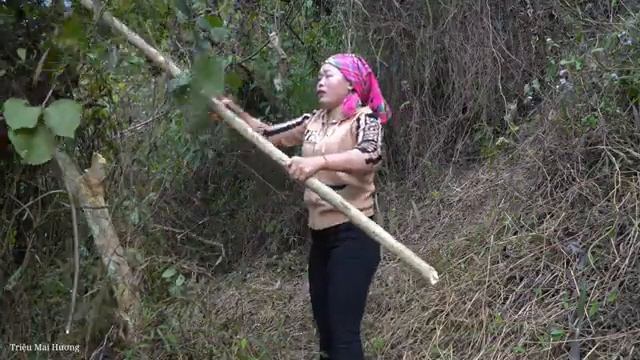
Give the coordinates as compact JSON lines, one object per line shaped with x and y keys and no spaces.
{"x":302,"y":168}
{"x":229,"y":104}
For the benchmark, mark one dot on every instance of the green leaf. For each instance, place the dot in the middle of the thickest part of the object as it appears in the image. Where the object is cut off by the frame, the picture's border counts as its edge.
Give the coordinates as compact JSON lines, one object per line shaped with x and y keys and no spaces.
{"x":208,"y":75}
{"x":581,"y":304}
{"x":63,"y":117}
{"x":218,"y":34}
{"x":206,"y":80}
{"x":203,"y":23}
{"x":377,"y":344}
{"x":536,"y":84}
{"x":519,"y":349}
{"x":172,"y":339}
{"x":180,"y":280}
{"x":214,"y":21}
{"x":22,"y":54}
{"x":180,"y":84}
{"x":169,"y":272}
{"x":175,"y":291}
{"x":135,"y":60}
{"x":72,"y":33}
{"x":202,"y":43}
{"x":197,"y":113}
{"x":13,"y":280}
{"x":35,"y":146}
{"x":180,"y":88}
{"x":183,"y":7}
{"x":590,"y":121}
{"x":557,"y":334}
{"x":593,"y":309}
{"x":134,"y":256}
{"x":213,"y":25}
{"x":612,"y":297}
{"x":233,"y":81}
{"x":20,"y":115}
{"x":537,"y":292}
{"x":134,"y":217}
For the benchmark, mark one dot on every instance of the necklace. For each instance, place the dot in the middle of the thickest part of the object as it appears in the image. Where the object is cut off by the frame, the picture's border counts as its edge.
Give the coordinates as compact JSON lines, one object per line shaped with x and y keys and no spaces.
{"x":324,"y":132}
{"x":328,"y":129}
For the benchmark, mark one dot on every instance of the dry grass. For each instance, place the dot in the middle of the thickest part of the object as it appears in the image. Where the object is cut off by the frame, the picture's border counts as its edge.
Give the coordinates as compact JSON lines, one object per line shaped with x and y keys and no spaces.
{"x":537,"y":255}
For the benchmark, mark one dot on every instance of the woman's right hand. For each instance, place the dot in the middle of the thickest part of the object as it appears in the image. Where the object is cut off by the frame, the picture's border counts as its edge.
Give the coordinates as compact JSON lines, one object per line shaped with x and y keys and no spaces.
{"x":255,"y":124}
{"x":230,"y":104}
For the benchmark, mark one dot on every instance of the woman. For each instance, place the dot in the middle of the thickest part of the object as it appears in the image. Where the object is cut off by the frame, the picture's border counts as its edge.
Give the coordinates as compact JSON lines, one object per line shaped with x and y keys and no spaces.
{"x":341,"y":146}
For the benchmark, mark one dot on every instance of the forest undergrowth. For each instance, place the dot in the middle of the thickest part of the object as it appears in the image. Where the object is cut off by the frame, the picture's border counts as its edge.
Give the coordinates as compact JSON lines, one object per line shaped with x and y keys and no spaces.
{"x":511,"y":166}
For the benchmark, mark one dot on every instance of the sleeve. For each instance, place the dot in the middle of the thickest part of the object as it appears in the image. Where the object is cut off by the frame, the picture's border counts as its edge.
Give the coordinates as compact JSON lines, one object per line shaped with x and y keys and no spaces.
{"x":289,"y":133}
{"x":368,"y":132}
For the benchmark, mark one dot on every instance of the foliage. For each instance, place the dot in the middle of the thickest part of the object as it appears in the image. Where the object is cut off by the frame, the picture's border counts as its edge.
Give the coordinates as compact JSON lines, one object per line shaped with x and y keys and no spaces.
{"x":34,"y":140}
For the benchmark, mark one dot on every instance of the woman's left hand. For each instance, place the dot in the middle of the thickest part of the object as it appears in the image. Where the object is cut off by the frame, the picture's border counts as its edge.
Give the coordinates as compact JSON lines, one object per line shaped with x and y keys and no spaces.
{"x":302,"y":168}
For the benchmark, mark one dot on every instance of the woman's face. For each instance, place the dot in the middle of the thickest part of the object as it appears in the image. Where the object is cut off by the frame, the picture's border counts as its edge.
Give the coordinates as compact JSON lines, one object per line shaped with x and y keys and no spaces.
{"x":332,"y":87}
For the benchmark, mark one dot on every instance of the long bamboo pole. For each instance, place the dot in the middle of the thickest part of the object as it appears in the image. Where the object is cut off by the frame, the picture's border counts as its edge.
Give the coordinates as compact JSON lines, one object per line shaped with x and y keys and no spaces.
{"x":326,"y":193}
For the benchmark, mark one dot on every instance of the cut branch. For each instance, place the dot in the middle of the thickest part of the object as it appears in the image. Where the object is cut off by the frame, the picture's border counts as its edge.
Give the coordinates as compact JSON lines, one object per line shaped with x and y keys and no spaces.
{"x":87,"y":189}
{"x":326,"y":193}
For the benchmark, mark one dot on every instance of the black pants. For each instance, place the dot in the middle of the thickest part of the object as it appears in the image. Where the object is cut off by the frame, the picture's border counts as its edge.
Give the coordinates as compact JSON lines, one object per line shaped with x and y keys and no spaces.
{"x":342,"y":262}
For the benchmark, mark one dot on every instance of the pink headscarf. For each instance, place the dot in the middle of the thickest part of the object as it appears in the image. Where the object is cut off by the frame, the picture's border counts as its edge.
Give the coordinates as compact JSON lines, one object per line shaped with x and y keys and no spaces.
{"x":365,"y":85}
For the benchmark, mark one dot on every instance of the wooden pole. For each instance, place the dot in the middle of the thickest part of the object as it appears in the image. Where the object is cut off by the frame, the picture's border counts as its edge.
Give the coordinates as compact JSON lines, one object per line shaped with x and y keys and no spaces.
{"x":326,"y":193}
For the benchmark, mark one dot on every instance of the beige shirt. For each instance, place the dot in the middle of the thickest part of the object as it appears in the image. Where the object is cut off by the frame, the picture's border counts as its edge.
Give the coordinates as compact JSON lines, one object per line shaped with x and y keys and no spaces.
{"x":362,"y":132}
